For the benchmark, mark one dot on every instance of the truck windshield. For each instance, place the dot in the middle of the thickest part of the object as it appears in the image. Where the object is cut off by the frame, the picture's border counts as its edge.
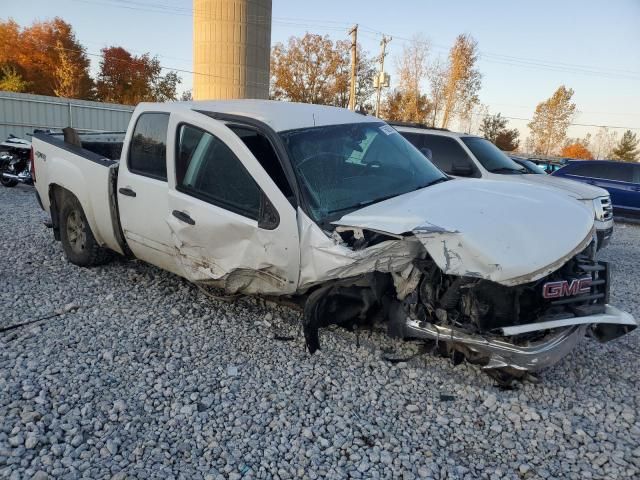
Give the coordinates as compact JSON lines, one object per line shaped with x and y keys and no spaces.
{"x":491,"y":157}
{"x":345,"y":167}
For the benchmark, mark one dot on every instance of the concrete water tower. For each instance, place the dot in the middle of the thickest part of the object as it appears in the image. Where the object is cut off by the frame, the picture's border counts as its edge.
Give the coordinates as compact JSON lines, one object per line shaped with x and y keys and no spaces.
{"x":231,"y":49}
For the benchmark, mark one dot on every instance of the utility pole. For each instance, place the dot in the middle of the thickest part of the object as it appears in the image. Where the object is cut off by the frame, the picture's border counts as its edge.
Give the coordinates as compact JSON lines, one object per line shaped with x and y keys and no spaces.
{"x":354,"y":62}
{"x":380,"y":82}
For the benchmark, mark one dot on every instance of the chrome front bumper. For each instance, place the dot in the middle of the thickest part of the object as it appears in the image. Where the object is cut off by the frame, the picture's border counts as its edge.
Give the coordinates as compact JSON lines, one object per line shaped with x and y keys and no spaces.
{"x":604,"y":220}
{"x":563,"y":336}
{"x":604,"y":235}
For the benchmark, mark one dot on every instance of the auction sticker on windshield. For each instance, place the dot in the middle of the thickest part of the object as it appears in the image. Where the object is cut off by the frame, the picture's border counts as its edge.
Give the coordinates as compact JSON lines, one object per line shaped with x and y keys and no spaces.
{"x":388,"y":129}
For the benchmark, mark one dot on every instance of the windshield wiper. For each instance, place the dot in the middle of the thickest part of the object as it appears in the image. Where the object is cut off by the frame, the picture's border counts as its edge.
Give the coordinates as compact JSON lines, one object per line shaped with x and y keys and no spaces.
{"x":507,"y":169}
{"x":437,"y":180}
{"x":364,"y":203}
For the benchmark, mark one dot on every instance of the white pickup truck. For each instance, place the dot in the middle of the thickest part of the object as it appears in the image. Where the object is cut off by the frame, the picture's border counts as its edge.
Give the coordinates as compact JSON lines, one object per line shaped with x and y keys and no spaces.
{"x":339,"y":210}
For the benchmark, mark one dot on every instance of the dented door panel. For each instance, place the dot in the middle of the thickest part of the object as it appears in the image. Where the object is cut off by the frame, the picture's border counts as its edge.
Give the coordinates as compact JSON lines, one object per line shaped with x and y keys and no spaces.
{"x":225,"y":248}
{"x":230,"y":251}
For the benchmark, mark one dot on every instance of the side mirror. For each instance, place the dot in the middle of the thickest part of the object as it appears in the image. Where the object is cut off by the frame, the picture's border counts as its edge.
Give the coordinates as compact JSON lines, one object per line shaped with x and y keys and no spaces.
{"x":461,"y":168}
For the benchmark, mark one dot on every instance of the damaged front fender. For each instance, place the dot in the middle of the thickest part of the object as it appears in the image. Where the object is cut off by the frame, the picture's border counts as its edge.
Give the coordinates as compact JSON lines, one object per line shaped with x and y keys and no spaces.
{"x":326,"y":258}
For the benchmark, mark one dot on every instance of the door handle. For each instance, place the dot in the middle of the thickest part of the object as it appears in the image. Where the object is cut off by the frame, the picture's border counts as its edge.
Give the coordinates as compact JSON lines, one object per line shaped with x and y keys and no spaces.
{"x":127,"y":191}
{"x":183,"y":217}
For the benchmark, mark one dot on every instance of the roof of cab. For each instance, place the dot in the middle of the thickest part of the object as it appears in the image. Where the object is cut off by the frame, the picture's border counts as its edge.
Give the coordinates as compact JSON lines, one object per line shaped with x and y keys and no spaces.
{"x":280,"y":116}
{"x":424,"y":130}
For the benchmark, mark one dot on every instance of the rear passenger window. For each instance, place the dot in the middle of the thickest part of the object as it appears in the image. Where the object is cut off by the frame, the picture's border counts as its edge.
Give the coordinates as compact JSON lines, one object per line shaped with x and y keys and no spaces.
{"x":207,"y":169}
{"x":148,"y":151}
{"x":608,"y":171}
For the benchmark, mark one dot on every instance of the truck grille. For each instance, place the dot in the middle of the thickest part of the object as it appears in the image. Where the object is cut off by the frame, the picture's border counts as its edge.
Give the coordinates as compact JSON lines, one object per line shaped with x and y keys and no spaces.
{"x":607,"y":208}
{"x":593,"y":301}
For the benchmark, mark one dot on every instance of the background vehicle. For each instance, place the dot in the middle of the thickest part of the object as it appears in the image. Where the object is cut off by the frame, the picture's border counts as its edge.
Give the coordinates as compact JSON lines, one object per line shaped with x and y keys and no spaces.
{"x":528,"y":165}
{"x":14,"y":162}
{"x":465,"y":155}
{"x":620,"y":179}
{"x":549,"y":166}
{"x":339,"y":210}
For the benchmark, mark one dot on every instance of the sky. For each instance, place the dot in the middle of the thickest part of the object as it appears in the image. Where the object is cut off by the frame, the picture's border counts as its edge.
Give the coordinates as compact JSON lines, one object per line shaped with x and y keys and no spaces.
{"x":527,"y":49}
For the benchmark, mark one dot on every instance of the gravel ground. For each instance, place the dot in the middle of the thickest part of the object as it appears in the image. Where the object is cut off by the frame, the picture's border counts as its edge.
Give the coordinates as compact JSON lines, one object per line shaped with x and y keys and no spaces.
{"x":140,"y":375}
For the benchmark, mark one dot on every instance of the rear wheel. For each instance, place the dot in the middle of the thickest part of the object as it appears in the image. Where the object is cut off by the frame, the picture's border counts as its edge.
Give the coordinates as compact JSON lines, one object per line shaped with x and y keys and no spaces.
{"x":79,"y":244}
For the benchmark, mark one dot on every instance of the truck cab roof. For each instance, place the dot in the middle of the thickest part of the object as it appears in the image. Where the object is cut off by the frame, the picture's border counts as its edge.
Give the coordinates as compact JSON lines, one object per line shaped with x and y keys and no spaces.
{"x":280,"y":116}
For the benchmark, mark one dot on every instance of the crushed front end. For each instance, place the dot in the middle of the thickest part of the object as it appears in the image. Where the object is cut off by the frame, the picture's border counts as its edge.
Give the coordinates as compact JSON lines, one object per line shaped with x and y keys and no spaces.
{"x":508,"y":330}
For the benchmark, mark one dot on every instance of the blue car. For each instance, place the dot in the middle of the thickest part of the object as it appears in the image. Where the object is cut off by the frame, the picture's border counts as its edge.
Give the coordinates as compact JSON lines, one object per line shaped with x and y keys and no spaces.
{"x":621,"y":179}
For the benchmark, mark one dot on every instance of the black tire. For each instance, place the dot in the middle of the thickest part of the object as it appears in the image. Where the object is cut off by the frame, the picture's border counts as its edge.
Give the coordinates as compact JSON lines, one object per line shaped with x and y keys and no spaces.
{"x":79,"y":244}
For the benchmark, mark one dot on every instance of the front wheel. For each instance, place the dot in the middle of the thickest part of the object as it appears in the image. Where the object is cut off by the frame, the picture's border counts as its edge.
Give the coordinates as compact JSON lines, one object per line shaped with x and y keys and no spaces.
{"x":79,"y":244}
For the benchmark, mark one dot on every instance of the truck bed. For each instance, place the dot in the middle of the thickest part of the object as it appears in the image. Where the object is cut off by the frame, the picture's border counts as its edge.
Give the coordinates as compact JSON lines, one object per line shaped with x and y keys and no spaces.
{"x":105,"y":144}
{"x":90,"y":176}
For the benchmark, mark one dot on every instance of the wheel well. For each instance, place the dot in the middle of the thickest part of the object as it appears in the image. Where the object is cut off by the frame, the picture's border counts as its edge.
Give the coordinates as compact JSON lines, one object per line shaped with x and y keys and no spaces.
{"x":57,"y":197}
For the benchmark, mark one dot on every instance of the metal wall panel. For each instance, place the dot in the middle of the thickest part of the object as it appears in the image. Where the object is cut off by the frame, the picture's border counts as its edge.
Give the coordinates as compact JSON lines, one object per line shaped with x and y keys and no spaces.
{"x":20,"y":113}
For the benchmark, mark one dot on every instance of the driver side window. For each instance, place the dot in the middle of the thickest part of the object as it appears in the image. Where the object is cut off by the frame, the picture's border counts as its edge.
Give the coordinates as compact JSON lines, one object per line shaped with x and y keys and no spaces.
{"x":207,"y":169}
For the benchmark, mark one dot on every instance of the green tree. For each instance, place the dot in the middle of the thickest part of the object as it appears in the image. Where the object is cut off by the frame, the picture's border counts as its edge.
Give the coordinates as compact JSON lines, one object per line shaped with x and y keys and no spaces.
{"x":494,"y":128}
{"x":11,"y":80}
{"x":508,"y":140}
{"x":627,"y":149}
{"x":403,"y":106}
{"x":551,"y":120}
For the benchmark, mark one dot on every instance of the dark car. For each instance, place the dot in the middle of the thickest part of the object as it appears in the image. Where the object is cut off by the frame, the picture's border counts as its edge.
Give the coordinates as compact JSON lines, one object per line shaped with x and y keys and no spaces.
{"x":528,"y":165}
{"x":621,"y":179}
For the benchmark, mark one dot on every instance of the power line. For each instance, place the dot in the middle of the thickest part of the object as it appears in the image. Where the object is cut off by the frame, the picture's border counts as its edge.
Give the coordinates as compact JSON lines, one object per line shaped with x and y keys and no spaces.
{"x":523,"y":62}
{"x":529,"y":62}
{"x":333,"y":25}
{"x":188,"y":12}
{"x":575,"y":124}
{"x":163,"y":67}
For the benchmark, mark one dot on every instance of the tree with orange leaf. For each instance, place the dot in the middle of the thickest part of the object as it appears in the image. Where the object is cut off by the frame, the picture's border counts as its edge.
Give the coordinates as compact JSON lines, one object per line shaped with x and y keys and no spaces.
{"x":47,"y":57}
{"x":576,"y":150}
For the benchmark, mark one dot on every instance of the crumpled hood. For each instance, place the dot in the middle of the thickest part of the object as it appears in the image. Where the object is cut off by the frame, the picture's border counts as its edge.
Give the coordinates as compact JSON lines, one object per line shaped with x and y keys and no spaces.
{"x":507,"y":232}
{"x":579,"y":190}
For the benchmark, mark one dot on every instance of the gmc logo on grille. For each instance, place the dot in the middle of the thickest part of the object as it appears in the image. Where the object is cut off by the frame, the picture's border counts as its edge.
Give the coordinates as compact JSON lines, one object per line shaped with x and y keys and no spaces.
{"x":565,"y":289}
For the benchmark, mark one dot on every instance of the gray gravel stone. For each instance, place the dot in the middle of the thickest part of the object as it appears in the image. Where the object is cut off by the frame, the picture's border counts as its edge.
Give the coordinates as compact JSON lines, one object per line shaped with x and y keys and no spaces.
{"x":134,"y":382}
{"x":31,"y":442}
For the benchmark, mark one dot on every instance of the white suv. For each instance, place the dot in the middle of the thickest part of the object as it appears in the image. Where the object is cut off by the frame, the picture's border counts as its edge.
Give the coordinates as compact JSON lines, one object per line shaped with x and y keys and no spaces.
{"x":464,"y":155}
